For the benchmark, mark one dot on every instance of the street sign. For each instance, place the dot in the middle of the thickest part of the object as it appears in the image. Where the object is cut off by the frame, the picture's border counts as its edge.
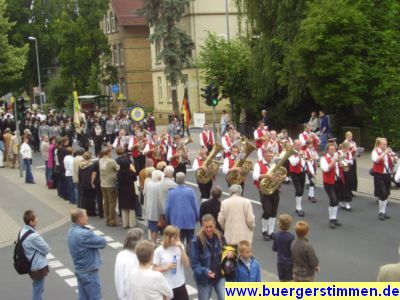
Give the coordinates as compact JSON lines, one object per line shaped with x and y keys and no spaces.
{"x":115,"y":89}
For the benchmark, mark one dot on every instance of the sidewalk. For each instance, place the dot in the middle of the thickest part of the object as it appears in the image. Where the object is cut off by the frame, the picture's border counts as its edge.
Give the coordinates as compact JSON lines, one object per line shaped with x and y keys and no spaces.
{"x":365,"y":181}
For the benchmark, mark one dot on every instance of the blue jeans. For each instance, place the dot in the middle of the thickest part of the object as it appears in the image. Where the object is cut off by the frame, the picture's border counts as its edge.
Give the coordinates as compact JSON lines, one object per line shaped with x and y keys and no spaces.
{"x":69,"y":189}
{"x":204,"y":291}
{"x":37,"y":289}
{"x":77,"y":195}
{"x":89,"y":287}
{"x":28,"y":171}
{"x":324,"y":141}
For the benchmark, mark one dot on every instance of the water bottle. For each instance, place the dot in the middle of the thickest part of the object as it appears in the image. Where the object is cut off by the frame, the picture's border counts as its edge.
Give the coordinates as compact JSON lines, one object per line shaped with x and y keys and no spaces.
{"x":174,"y":261}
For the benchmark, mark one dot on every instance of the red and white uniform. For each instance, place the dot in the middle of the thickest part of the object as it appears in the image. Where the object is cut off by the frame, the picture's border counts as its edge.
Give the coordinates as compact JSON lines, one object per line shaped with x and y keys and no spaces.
{"x":311,"y":156}
{"x":303,"y":137}
{"x":133,"y":142}
{"x":197,"y":163}
{"x":207,"y":138}
{"x":171,"y":152}
{"x":121,"y":141}
{"x":348,"y":158}
{"x":227,"y":144}
{"x":260,"y":168}
{"x":148,"y":151}
{"x":275,"y":147}
{"x":385,"y":165}
{"x":330,"y":176}
{"x":297,"y":164}
{"x":259,"y":133}
{"x":228,"y":163}
{"x":353,"y":149}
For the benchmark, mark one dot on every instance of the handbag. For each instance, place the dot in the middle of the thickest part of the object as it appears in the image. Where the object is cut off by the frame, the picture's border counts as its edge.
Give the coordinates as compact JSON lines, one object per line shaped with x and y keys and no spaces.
{"x":371,"y":172}
{"x":162,"y":223}
{"x":39,"y":274}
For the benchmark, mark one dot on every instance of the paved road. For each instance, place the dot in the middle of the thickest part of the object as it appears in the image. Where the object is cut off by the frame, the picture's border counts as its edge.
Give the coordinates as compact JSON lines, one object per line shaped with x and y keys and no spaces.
{"x":353,"y":252}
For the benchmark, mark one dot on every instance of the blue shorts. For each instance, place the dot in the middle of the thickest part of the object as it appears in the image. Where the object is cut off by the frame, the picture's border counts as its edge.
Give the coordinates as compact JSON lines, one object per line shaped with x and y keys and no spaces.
{"x":152,"y":225}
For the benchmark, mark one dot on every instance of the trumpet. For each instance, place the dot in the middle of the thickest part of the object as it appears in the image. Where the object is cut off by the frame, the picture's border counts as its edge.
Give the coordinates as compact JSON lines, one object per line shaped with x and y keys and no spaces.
{"x":183,"y":152}
{"x":341,"y":159}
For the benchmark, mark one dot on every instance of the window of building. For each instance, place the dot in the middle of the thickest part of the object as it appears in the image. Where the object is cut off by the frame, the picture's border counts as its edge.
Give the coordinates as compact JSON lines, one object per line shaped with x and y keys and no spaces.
{"x":116,"y":55}
{"x":158,"y":50}
{"x":169,"y":93}
{"x":160,"y":90}
{"x":121,"y":54}
{"x":112,"y":21}
{"x":107,"y":24}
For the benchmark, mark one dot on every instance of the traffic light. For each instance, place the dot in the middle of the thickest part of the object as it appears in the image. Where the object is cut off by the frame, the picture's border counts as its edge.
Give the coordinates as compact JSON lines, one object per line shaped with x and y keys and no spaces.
{"x":20,"y":105}
{"x":206,"y":95}
{"x":214,"y":95}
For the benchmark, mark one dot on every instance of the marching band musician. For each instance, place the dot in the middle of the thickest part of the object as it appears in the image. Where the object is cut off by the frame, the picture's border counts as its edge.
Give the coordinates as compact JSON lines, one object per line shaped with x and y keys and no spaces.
{"x":304,"y":136}
{"x":207,"y":138}
{"x":134,"y":146}
{"x":260,"y":151}
{"x":178,"y":155}
{"x":383,"y":167}
{"x":284,"y":138}
{"x":274,"y":143}
{"x":227,"y":141}
{"x":229,"y":163}
{"x":354,"y":153}
{"x":312,"y":165}
{"x":298,"y":168}
{"x":269,"y":202}
{"x":345,"y":194}
{"x":332,"y":178}
{"x":260,"y":134}
{"x":149,"y":149}
{"x":204,"y":188}
{"x":122,"y":140}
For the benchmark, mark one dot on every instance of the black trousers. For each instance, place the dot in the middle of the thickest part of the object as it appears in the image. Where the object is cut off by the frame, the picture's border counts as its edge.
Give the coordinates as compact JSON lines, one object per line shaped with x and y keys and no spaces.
{"x":181,"y":167}
{"x":180,"y":293}
{"x":354,"y":184}
{"x":140,"y":163}
{"x":88,"y":199}
{"x":382,"y":184}
{"x":270,"y":205}
{"x":345,"y":193}
{"x":333,"y":191}
{"x":299,"y":181}
{"x":205,"y":189}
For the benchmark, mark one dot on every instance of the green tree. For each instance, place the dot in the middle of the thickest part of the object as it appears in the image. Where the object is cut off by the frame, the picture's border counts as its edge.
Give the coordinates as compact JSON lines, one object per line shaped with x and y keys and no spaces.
{"x":93,"y":81}
{"x":12,"y":59}
{"x":227,"y":65}
{"x":81,"y":40}
{"x":163,"y":16}
{"x":57,"y":91}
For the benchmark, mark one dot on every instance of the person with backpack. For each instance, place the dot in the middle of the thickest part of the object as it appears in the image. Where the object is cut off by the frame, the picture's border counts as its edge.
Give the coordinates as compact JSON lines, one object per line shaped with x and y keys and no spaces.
{"x":30,"y":254}
{"x":205,"y":257}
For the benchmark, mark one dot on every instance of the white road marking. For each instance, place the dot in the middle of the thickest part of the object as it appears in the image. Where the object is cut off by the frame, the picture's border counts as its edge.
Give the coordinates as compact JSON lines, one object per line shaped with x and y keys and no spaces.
{"x":72,"y":282}
{"x":108,"y":238}
{"x":98,"y":232}
{"x":50,"y":256}
{"x":64,"y":272}
{"x":90,"y":227}
{"x":55,"y":264}
{"x":115,"y":245}
{"x":191,"y":290}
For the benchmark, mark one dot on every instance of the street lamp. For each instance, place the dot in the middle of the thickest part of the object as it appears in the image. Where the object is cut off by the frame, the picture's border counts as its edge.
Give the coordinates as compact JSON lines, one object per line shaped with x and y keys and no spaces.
{"x":32,"y":38}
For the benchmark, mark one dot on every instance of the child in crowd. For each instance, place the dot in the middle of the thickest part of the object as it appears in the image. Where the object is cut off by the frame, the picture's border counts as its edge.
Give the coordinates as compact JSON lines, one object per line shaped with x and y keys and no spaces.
{"x":247,"y":268}
{"x":282,"y":243}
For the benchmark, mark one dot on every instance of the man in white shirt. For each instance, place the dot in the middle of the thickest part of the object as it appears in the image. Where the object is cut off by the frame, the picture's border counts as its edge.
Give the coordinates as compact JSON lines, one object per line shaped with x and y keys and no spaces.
{"x":126,"y":261}
{"x":207,"y":139}
{"x":68,"y":165}
{"x":26,"y":154}
{"x":143,"y":283}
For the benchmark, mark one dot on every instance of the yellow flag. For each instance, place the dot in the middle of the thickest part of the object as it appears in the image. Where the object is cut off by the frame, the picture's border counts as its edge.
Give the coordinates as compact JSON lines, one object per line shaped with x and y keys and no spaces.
{"x":77,"y":111}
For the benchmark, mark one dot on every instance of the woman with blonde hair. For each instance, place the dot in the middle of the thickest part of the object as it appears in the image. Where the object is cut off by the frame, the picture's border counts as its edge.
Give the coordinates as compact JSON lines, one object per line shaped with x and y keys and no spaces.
{"x":169,"y":259}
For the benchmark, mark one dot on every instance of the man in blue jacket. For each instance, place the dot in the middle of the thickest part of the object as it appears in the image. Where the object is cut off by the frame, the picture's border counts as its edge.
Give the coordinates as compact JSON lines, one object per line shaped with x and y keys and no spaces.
{"x":84,"y":247}
{"x":35,"y":249}
{"x":182,"y":209}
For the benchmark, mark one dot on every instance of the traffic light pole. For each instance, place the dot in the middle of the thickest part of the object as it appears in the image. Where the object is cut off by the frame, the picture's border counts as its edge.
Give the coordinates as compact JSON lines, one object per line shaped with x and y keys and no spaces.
{"x":214,"y":121}
{"x":18,"y":138}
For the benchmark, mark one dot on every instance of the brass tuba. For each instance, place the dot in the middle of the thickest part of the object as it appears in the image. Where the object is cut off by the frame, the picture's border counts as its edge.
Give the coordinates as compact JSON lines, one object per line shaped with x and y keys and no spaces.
{"x":211,"y":167}
{"x":183,"y":150}
{"x":235,"y":177}
{"x":267,"y":185}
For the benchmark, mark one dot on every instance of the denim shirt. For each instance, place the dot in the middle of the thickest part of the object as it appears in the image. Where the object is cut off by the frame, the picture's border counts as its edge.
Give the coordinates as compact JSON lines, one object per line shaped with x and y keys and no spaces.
{"x":84,"y":247}
{"x":35,"y":243}
{"x":200,"y":258}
